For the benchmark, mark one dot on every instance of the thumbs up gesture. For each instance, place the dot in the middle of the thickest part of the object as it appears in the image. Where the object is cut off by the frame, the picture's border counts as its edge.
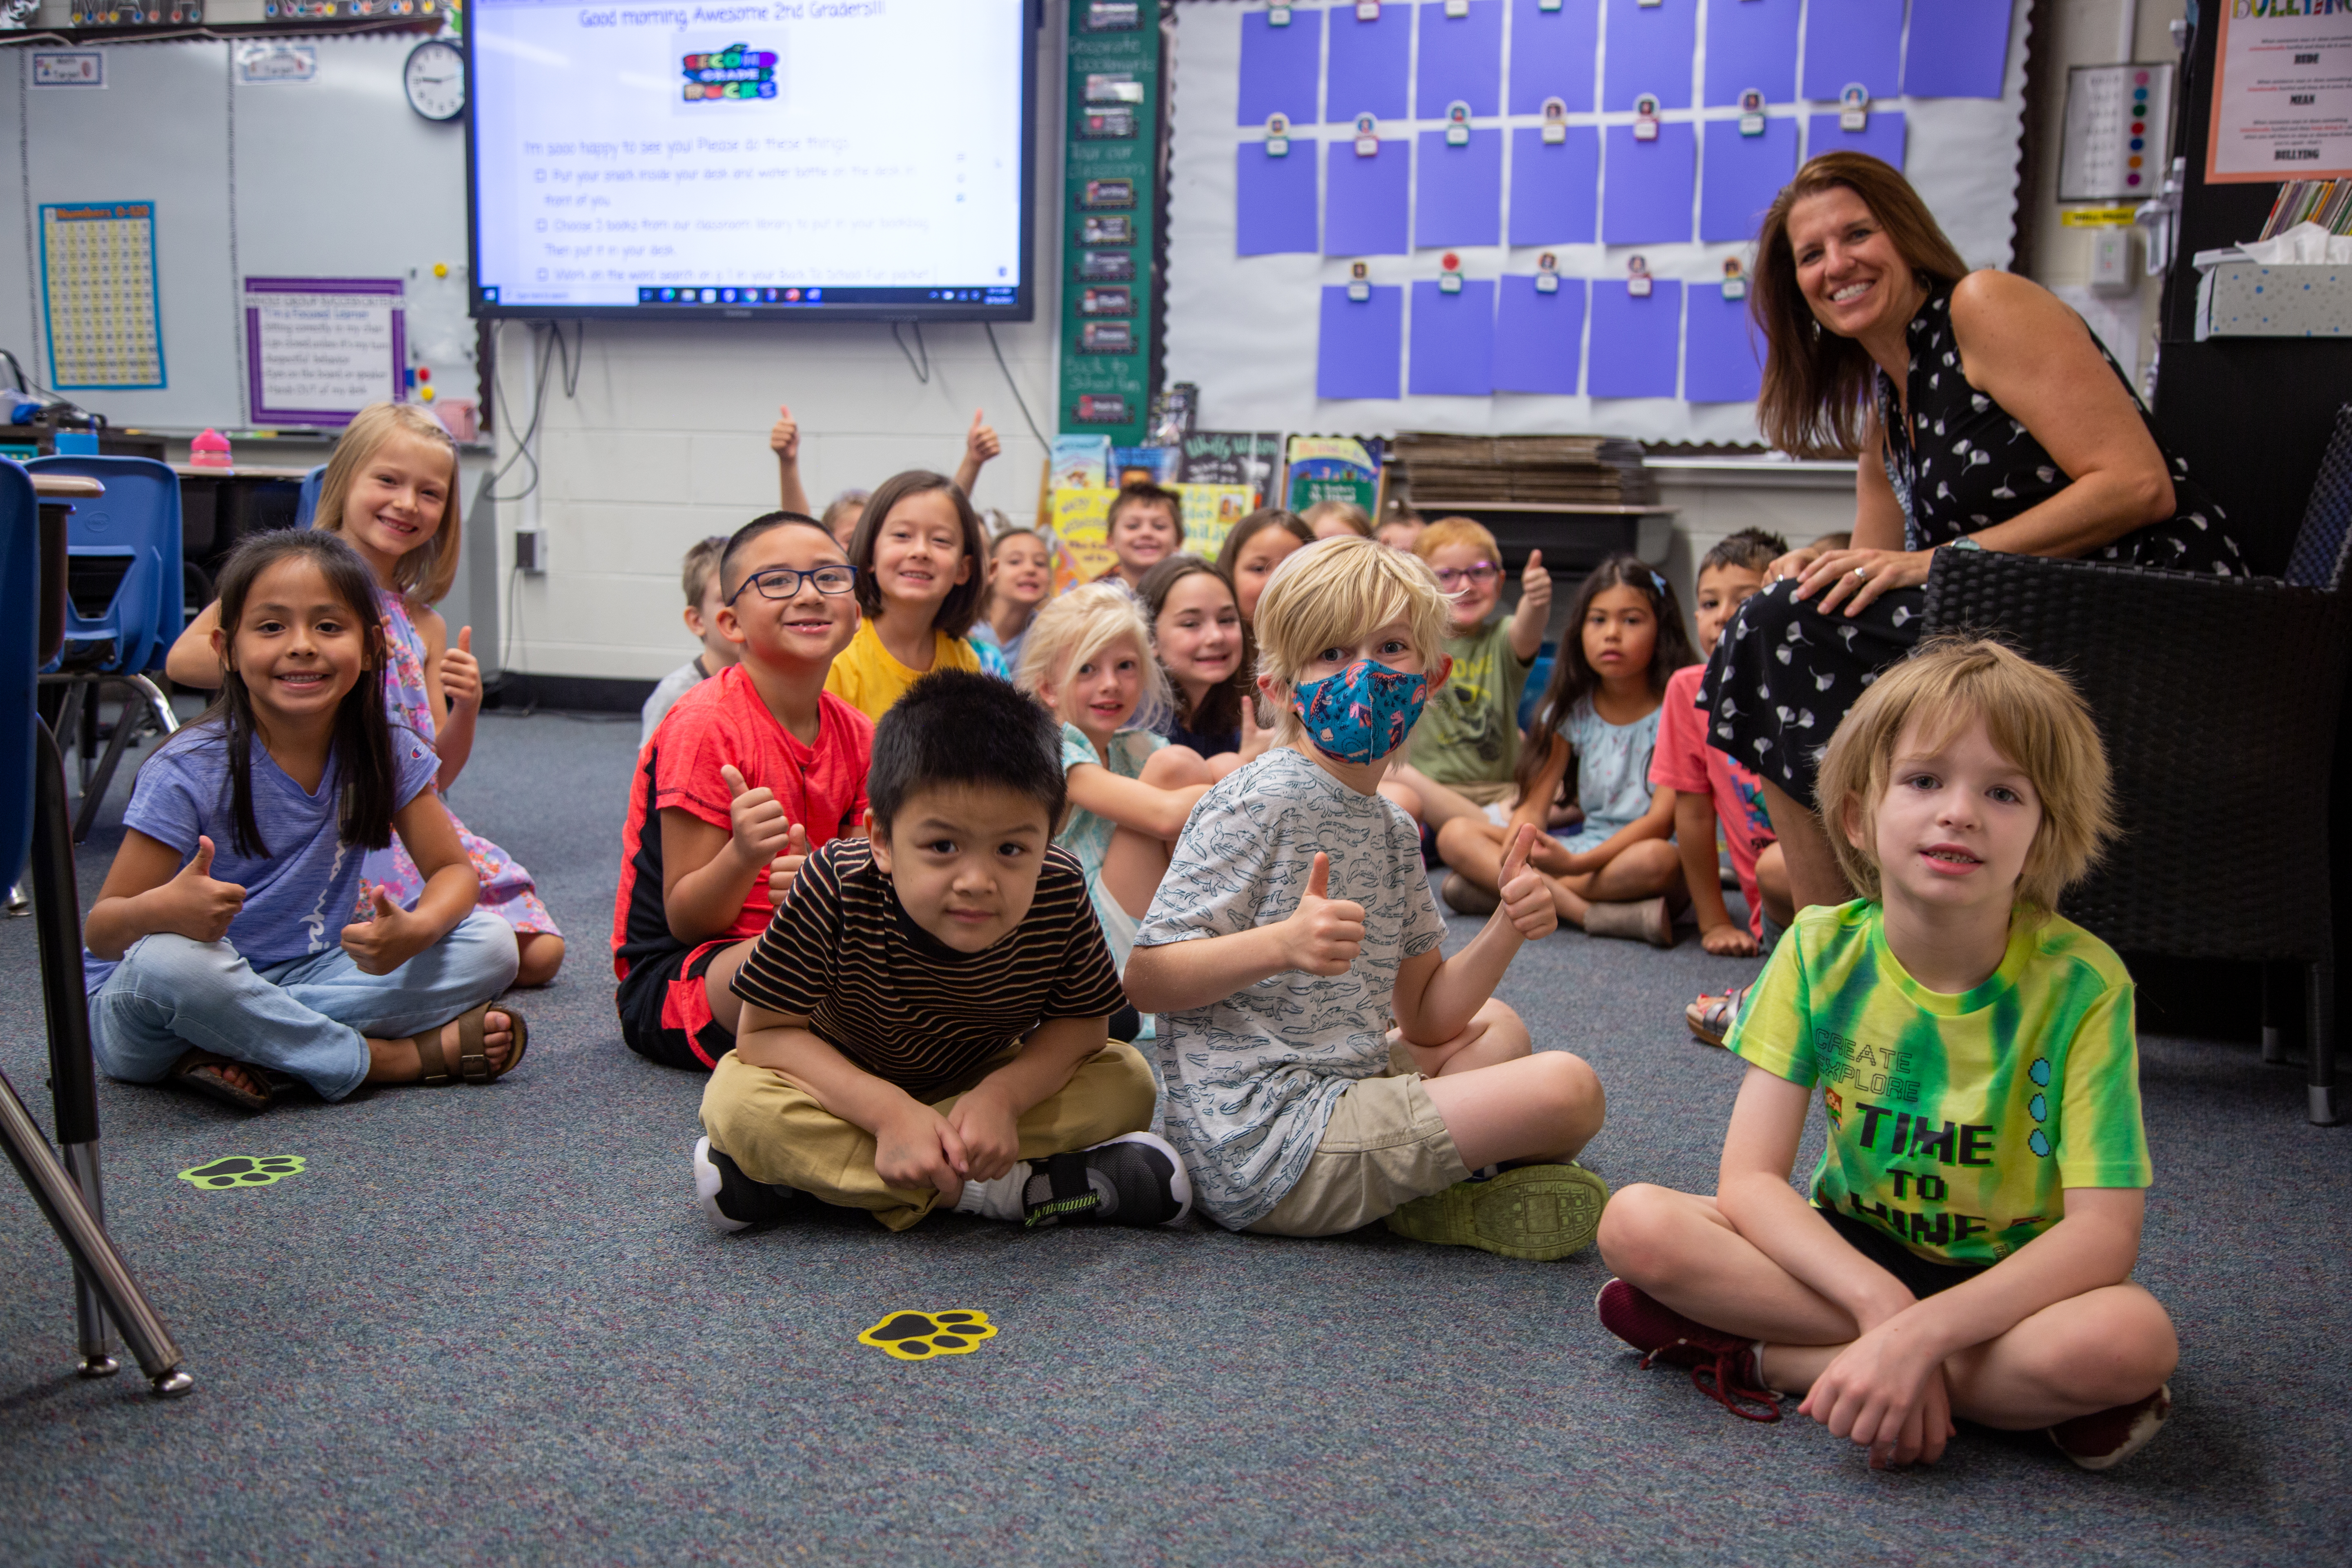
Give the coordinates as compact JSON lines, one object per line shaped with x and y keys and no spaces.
{"x":197,"y":907}
{"x":461,"y":678}
{"x":787,"y":865}
{"x":389,"y":939}
{"x":1323,"y":935}
{"x":1256,"y":740}
{"x":980,"y":442}
{"x":784,"y":437}
{"x":1534,"y":588}
{"x":1527,"y":897}
{"x":761,"y":834}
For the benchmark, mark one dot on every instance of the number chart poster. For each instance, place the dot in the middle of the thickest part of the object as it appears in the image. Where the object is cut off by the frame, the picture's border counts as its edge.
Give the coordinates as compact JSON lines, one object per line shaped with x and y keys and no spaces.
{"x":98,"y":285}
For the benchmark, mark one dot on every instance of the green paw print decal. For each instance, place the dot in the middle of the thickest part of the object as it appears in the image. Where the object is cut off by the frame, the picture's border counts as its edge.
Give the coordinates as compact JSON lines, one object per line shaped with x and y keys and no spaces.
{"x":920,"y":1336}
{"x":242,"y":1171}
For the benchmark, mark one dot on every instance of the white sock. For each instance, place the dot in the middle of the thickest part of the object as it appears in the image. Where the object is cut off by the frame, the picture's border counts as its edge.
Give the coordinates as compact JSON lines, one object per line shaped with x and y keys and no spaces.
{"x":999,"y":1199}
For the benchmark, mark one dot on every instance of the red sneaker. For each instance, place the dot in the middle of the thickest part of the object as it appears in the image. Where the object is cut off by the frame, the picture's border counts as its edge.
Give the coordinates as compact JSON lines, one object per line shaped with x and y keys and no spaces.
{"x":2109,"y":1436}
{"x":1722,"y":1367}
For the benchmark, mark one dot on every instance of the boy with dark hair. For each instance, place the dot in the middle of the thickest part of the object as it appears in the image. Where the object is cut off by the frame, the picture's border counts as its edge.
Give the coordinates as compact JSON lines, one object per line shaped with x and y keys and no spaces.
{"x":750,"y":770}
{"x":699,"y":575}
{"x":925,"y":1020}
{"x":1144,"y":527}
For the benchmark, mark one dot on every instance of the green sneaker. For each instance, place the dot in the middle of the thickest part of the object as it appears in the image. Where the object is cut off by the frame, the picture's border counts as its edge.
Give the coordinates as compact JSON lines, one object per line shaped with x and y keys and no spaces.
{"x":1535,"y":1212}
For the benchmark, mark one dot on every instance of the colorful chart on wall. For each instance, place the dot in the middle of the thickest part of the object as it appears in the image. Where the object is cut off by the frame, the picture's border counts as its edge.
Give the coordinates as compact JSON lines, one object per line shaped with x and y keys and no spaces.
{"x":98,"y":283}
{"x":1545,"y":145}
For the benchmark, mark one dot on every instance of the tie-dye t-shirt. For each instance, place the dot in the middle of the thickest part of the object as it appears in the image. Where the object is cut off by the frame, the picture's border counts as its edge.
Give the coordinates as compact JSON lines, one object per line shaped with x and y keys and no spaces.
{"x":1955,"y":1121}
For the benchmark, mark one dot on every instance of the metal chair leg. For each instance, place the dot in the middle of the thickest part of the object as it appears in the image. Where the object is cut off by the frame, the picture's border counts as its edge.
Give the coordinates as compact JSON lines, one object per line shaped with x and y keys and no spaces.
{"x":2319,"y":1035}
{"x":157,"y":703}
{"x":2274,"y":984}
{"x":20,"y":903}
{"x":127,"y":721}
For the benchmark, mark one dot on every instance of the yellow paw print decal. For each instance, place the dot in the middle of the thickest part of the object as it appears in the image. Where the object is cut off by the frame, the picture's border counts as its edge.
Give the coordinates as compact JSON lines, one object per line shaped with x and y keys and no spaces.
{"x":242,"y":1171}
{"x":920,"y":1336}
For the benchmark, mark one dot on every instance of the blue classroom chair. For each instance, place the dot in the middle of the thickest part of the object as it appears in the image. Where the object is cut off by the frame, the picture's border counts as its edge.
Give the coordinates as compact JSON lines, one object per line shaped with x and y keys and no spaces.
{"x":307,"y":503}
{"x":19,"y":631}
{"x":125,"y":545}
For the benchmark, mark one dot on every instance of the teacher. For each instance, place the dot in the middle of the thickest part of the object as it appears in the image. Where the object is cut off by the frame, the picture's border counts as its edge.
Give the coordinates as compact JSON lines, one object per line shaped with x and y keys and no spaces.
{"x":1987,"y":417}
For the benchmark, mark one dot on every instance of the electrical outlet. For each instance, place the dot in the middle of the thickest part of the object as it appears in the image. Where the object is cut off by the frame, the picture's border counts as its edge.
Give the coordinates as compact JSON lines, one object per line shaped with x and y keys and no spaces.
{"x":530,"y":551}
{"x":2111,"y":261}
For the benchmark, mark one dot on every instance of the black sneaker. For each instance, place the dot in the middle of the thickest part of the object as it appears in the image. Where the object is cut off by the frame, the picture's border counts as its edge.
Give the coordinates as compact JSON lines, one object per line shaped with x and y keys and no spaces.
{"x":1131,"y":1180}
{"x":733,"y":1200}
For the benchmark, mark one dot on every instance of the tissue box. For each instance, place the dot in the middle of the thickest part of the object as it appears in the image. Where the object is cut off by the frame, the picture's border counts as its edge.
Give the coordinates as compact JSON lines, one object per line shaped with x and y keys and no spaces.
{"x":2253,"y":300}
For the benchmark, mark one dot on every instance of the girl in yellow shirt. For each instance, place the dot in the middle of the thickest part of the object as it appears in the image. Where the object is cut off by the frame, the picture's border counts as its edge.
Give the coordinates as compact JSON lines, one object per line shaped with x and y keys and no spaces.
{"x":918,"y":551}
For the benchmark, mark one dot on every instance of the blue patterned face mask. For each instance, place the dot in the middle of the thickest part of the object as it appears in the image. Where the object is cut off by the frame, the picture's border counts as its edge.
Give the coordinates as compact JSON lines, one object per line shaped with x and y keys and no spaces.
{"x":1362,"y":713}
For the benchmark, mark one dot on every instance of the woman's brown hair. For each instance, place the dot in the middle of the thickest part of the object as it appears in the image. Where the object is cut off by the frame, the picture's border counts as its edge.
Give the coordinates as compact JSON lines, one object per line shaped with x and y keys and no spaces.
{"x":1818,"y":387}
{"x":961,"y":606}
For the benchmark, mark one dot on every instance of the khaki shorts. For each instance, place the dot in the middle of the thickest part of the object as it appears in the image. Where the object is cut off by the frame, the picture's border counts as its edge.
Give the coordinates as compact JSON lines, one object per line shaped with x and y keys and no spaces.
{"x":1488,"y":792}
{"x":1385,"y":1146}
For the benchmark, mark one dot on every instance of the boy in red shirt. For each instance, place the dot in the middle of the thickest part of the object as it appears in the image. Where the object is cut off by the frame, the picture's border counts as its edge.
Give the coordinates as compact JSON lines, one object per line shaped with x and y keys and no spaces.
{"x":748,"y":773}
{"x":1709,"y":787}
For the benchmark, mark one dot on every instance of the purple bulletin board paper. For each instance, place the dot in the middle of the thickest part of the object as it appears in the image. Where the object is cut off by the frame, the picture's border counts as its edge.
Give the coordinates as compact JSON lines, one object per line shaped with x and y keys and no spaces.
{"x":1552,"y":55}
{"x":1555,"y":190}
{"x":1274,"y":200}
{"x":1635,"y":341}
{"x":1854,"y":40}
{"x":1647,"y":190}
{"x":1458,"y":191}
{"x":1751,"y":43}
{"x":1741,"y":175}
{"x":1882,"y":139}
{"x":1368,"y":69}
{"x":359,"y":291}
{"x":1364,"y":199}
{"x":1454,"y":340}
{"x":1960,"y":49}
{"x":1461,"y":57}
{"x":1722,"y":355}
{"x":1358,"y":347}
{"x":1651,"y":49}
{"x":1538,"y":338}
{"x":1281,"y":67}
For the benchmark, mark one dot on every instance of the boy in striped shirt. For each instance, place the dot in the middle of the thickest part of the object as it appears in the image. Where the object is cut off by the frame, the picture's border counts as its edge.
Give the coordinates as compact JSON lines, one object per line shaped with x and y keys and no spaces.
{"x":926,"y":1020}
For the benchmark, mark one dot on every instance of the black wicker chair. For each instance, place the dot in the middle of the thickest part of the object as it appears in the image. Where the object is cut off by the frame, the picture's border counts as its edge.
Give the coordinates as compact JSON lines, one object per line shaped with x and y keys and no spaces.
{"x":2228,"y":751}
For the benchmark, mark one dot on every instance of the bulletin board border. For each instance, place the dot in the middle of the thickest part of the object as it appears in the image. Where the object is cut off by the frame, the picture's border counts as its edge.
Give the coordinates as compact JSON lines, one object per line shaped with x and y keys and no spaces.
{"x":364,"y":288}
{"x":155,"y":302}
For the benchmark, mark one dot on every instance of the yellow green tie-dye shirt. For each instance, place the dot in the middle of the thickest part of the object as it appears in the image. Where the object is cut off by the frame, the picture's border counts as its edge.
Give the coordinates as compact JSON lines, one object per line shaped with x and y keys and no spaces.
{"x":1955,"y":1121}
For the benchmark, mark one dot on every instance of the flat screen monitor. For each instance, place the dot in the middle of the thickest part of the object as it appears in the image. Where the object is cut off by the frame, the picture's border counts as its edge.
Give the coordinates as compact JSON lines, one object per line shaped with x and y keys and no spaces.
{"x":862,"y":158}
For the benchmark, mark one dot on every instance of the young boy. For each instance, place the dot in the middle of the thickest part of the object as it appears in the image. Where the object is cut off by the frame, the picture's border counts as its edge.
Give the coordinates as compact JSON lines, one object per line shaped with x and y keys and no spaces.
{"x":1710,"y":787}
{"x":1968,"y":1246}
{"x":1145,"y":527}
{"x":750,"y":771}
{"x":702,"y":581}
{"x":1466,"y":745}
{"x":1296,"y":922}
{"x":925,"y":1021}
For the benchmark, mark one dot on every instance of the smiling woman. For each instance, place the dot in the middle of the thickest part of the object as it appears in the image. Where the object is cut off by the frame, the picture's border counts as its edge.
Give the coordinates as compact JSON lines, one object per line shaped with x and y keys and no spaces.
{"x":1986,"y":417}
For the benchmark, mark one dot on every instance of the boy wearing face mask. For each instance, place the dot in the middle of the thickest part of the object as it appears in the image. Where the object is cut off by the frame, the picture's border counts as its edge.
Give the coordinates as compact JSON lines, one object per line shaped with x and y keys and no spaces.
{"x":1295,"y":924}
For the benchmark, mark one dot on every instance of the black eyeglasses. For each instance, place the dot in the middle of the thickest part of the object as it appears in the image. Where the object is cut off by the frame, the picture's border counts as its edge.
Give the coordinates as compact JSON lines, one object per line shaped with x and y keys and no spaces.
{"x":784,"y":582}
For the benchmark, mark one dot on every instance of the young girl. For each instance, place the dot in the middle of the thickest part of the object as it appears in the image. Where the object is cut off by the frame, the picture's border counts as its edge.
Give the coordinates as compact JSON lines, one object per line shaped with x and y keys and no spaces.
{"x":1088,"y":659}
{"x":917,"y":551}
{"x":1331,"y":519}
{"x":1619,"y":874}
{"x":217,"y":952}
{"x":391,"y":491}
{"x":1967,"y":1246}
{"x":1197,"y":631}
{"x":1257,"y":545}
{"x":1020,"y":577}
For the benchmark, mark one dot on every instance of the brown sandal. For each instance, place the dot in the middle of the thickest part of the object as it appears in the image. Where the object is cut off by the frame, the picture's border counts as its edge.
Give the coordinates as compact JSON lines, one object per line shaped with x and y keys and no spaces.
{"x":473,"y":1061}
{"x":190,"y":1072}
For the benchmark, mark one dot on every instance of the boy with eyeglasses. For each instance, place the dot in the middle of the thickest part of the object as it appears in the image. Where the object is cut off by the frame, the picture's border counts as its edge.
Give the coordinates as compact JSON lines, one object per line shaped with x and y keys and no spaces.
{"x":749,"y":772}
{"x":1466,"y":745}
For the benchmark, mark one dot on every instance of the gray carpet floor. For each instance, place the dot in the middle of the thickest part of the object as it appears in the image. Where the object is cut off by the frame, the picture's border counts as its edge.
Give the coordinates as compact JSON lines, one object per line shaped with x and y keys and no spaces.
{"x":488,"y":1325}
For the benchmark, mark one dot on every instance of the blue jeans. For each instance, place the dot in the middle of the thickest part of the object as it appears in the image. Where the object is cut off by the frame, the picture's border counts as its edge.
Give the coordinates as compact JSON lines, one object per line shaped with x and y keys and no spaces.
{"x":310,"y":1017}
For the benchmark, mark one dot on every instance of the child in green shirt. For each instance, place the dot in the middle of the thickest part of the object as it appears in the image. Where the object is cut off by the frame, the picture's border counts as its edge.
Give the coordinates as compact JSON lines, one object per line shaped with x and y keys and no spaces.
{"x":1969,"y":1245}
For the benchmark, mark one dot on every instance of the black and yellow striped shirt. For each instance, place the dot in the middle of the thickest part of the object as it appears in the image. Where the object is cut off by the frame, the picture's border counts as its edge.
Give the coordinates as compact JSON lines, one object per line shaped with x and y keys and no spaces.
{"x":843,"y":952}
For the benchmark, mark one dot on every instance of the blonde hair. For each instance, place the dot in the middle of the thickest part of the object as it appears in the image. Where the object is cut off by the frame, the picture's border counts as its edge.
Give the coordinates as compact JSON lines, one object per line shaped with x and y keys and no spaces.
{"x":2033,"y":716}
{"x":1334,"y":592}
{"x":701,"y":564}
{"x":426,"y":572}
{"x":1076,"y":630}
{"x":1346,"y":511}
{"x":1448,"y":531}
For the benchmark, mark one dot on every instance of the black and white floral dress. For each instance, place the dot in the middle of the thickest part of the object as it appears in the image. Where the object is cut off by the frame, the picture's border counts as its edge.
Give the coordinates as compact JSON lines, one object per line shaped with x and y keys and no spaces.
{"x":1783,"y":675}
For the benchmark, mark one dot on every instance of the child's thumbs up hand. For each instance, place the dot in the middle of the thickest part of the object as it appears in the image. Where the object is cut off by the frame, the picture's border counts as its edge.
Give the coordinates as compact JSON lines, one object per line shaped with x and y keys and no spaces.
{"x":1323,"y":935}
{"x":1534,"y":586}
{"x":784,"y":435}
{"x":980,"y":442}
{"x":758,"y":816}
{"x":461,"y":677}
{"x":787,"y":865}
{"x":1256,"y":740}
{"x":381,"y":944}
{"x":1527,"y":897}
{"x":197,"y":907}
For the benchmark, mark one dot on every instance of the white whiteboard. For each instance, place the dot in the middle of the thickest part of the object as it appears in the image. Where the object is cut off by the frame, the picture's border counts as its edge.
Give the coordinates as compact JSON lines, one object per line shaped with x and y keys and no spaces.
{"x":1244,"y":328}
{"x":333,"y":177}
